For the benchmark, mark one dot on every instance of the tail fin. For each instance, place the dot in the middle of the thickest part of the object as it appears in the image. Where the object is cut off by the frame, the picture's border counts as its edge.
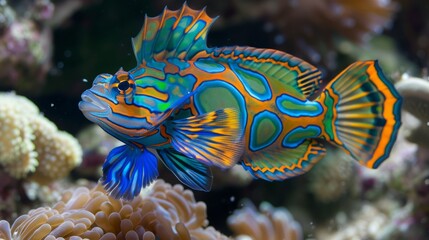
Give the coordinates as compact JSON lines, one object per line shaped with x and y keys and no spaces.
{"x":363,"y":112}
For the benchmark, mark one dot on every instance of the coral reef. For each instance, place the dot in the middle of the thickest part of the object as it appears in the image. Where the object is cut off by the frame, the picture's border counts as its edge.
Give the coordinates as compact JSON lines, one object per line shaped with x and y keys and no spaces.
{"x":162,"y":212}
{"x":32,"y":144}
{"x":393,"y":62}
{"x":314,"y":38}
{"x":338,"y":199}
{"x":332,"y":177}
{"x":269,"y":223}
{"x":26,"y":43}
{"x":232,"y":177}
{"x":349,"y":19}
{"x":96,"y":144}
{"x":370,"y":221}
{"x":412,"y":30}
{"x":58,"y":152}
{"x":415,"y":92}
{"x":17,"y":150}
{"x":25,"y":48}
{"x":392,"y":200}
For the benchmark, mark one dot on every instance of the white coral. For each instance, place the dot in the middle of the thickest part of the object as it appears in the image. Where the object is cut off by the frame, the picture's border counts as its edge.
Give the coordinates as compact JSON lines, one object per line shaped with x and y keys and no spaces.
{"x":17,"y":151}
{"x":31,"y":143}
{"x":58,"y":151}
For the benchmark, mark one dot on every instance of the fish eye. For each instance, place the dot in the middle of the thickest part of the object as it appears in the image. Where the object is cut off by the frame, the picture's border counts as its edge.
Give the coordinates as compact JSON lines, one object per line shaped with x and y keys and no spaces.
{"x":124,"y":85}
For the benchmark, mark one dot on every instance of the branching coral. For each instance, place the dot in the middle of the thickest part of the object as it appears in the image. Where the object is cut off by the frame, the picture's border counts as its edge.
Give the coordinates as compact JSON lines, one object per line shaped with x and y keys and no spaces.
{"x":31,"y":143}
{"x":269,"y":223}
{"x":165,"y":212}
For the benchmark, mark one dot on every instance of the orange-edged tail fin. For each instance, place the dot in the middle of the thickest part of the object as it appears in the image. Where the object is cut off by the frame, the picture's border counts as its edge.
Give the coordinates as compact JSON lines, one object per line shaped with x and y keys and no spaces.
{"x":363,"y":112}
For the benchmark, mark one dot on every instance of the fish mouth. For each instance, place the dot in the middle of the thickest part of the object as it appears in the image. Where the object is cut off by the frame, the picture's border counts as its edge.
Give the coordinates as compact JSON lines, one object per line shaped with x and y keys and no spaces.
{"x":91,"y":104}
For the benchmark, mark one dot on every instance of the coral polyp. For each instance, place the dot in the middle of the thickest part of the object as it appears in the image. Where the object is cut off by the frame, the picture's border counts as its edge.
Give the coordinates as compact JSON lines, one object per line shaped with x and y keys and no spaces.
{"x":31,"y":144}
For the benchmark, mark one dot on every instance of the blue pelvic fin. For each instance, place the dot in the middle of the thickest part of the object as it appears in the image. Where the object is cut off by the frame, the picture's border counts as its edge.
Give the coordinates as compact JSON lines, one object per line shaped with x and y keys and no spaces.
{"x":189,"y":171}
{"x":282,"y":163}
{"x":214,"y":138}
{"x":127,"y":170}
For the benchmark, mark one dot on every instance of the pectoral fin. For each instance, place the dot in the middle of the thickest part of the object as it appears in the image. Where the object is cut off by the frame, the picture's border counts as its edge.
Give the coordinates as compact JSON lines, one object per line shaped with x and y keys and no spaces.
{"x":189,"y":171}
{"x":214,"y":138}
{"x":127,"y":170}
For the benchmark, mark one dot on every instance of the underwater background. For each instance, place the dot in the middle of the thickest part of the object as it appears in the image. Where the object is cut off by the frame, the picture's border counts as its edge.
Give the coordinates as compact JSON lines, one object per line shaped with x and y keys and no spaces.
{"x":51,"y":155}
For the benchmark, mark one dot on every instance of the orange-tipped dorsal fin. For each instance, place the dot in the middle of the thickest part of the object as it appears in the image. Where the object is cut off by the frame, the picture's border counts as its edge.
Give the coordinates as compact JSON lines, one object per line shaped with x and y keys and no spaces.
{"x":180,"y":34}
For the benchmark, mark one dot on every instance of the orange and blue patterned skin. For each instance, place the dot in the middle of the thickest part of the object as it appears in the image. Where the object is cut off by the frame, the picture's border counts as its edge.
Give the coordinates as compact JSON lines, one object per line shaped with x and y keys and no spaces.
{"x":199,"y":107}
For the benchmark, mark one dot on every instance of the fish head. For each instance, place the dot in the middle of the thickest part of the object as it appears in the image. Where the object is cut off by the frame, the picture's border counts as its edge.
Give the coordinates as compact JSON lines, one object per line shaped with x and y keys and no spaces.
{"x":110,"y":104}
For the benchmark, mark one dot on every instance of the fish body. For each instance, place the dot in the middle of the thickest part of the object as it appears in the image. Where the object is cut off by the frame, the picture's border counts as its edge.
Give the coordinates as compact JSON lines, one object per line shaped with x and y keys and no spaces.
{"x":199,"y":107}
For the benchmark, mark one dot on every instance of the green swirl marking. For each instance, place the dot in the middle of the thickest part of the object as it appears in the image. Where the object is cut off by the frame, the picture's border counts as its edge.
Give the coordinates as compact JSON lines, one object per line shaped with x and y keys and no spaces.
{"x":327,"y":121}
{"x":265,"y":130}
{"x":254,"y":82}
{"x":298,"y":135}
{"x":297,"y":108}
{"x":215,"y":95}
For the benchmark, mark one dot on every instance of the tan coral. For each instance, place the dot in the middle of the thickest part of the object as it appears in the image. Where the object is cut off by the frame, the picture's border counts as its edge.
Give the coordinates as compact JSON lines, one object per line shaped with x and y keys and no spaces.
{"x":270,"y":223}
{"x":166,"y":212}
{"x":58,"y":152}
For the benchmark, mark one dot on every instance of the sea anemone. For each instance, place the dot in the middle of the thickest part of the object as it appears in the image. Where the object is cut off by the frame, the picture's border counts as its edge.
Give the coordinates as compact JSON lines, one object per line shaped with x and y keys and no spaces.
{"x":162,"y":212}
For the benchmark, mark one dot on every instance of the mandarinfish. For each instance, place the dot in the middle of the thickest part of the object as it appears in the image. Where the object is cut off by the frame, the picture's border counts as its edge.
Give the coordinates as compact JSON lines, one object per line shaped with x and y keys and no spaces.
{"x":198,"y":107}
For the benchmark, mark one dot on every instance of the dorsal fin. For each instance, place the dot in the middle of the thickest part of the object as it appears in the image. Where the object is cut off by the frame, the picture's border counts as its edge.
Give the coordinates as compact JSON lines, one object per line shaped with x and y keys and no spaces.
{"x":181,"y":34}
{"x":278,"y":68}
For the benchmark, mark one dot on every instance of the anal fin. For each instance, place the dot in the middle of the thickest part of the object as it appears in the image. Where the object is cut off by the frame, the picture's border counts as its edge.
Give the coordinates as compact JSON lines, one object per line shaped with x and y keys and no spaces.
{"x":189,"y":171}
{"x":283,"y":163}
{"x":127,"y":170}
